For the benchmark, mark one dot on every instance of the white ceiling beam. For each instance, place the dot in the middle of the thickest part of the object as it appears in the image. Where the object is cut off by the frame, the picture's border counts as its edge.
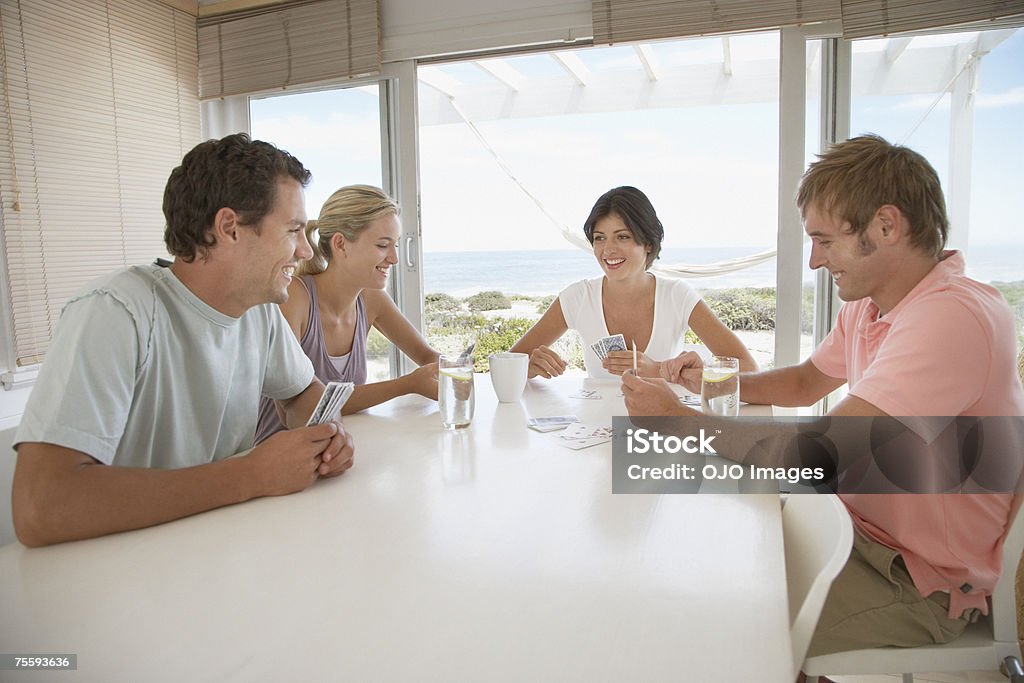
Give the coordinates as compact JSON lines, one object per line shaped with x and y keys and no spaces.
{"x":500,"y":70}
{"x":573,"y":66}
{"x":726,"y":56}
{"x":894,"y":48}
{"x":988,"y":40}
{"x":440,"y":81}
{"x":646,"y":56}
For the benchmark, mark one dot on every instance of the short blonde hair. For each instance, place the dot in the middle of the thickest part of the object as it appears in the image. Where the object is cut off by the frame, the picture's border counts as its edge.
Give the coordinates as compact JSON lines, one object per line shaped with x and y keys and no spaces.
{"x":348,"y":211}
{"x":853,"y":179}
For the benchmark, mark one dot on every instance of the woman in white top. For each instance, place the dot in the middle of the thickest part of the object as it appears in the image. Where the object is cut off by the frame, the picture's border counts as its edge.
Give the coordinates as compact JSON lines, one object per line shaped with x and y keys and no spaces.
{"x":651,"y":311}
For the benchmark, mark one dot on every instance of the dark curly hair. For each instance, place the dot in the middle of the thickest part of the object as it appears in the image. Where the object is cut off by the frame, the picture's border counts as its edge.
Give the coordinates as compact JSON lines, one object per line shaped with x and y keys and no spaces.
{"x":636,"y":211}
{"x":234,"y":172}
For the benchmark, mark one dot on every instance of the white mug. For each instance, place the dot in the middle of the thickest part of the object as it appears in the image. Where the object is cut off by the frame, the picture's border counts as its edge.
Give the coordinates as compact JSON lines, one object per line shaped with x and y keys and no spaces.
{"x":508,"y":375}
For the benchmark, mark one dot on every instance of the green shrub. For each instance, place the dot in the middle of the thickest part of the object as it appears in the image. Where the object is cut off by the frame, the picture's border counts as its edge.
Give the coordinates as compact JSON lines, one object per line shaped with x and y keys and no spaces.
{"x":376,"y":344}
{"x":488,"y":301}
{"x":544,"y":303}
{"x":499,"y":337}
{"x":743,"y":309}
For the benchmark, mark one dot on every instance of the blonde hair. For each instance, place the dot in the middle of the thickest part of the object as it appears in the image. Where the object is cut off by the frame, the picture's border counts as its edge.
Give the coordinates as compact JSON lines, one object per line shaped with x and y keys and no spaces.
{"x":348,"y":211}
{"x":854,"y":178}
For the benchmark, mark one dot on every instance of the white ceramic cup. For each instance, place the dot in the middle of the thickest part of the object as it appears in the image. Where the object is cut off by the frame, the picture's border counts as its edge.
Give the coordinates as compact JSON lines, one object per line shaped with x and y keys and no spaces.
{"x":508,"y":375}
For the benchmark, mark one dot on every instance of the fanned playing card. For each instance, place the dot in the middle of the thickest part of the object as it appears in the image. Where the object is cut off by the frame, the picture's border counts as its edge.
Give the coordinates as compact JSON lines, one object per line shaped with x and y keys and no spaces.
{"x":331,"y":401}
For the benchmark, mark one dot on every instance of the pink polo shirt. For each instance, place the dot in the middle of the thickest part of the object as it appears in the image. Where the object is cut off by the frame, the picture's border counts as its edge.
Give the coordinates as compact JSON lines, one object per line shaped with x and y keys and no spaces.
{"x":947,"y":348}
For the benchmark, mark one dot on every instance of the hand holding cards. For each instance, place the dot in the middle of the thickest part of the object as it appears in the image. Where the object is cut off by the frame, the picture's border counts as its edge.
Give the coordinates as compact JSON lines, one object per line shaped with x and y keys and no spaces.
{"x":330,"y":403}
{"x":602,"y":347}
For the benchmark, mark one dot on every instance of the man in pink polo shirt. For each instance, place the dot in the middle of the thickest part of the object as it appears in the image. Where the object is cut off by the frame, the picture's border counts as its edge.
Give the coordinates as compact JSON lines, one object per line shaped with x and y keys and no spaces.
{"x":915,"y":337}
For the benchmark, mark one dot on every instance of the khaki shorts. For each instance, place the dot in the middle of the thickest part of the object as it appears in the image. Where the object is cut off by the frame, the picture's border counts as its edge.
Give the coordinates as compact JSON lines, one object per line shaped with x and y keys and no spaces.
{"x":873,"y":602}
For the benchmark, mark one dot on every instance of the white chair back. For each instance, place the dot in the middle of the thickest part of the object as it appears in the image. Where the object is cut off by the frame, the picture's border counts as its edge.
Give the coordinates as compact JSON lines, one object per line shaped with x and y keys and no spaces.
{"x":982,"y":647}
{"x":1004,"y":617}
{"x":818,"y":535}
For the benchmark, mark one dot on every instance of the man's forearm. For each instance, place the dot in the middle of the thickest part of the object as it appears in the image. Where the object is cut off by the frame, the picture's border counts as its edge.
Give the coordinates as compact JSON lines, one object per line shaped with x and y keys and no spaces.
{"x":59,"y":497}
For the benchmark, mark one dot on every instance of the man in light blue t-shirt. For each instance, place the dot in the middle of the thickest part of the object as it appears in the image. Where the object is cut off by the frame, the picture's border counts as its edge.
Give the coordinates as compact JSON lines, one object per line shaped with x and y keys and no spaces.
{"x":154,"y":375}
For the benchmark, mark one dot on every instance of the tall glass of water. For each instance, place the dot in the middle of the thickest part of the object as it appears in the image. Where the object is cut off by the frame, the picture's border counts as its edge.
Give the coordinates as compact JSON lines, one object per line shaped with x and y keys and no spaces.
{"x":720,"y":386}
{"x":455,"y":390}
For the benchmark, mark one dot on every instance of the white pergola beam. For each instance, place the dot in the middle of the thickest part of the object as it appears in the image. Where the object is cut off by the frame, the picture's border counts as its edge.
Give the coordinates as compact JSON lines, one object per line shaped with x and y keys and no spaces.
{"x":502,"y":72}
{"x":573,"y":66}
{"x":894,"y":48}
{"x":726,"y":56}
{"x":440,"y":81}
{"x":650,"y":63}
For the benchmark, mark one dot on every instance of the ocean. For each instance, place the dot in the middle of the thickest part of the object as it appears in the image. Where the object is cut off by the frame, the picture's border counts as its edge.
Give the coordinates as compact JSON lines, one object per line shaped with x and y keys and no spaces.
{"x":538,"y":273}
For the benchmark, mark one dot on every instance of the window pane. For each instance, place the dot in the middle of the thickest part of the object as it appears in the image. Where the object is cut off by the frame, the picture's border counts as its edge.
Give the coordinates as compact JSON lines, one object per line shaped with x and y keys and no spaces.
{"x":530,"y":147}
{"x":958,"y":99}
{"x":336,"y":135}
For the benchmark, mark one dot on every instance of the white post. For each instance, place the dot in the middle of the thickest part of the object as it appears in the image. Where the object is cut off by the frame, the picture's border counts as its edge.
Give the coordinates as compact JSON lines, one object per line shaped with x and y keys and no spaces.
{"x":961,"y":147}
{"x":789,"y":263}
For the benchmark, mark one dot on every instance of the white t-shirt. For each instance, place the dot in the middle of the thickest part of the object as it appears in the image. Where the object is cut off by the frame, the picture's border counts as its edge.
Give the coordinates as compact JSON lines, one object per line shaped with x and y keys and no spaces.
{"x":674,"y":301}
{"x":143,"y":373}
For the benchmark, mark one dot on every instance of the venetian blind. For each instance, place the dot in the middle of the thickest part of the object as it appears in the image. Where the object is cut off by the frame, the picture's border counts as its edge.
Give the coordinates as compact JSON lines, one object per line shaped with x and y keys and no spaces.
{"x":863,"y":18}
{"x":617,"y":21}
{"x":99,"y":104}
{"x":297,"y":43}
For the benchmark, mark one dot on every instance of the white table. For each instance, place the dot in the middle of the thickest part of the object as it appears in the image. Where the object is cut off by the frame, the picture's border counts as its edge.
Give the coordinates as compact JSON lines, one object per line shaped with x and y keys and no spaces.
{"x":491,"y":554}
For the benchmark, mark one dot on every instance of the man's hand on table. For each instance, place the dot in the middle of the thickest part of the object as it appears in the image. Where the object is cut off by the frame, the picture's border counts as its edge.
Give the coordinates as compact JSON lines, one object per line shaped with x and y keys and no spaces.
{"x":339,"y":454}
{"x":291,"y":460}
{"x":651,"y":397}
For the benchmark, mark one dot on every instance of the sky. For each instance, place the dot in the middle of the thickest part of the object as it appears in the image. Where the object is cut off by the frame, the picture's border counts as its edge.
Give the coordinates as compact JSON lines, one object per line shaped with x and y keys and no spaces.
{"x":710,"y":171}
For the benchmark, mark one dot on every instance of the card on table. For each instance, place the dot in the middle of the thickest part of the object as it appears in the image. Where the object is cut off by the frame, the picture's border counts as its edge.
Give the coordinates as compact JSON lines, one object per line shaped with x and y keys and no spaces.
{"x":551,"y":424}
{"x":579,"y":436}
{"x":586,"y":393}
{"x":331,"y":401}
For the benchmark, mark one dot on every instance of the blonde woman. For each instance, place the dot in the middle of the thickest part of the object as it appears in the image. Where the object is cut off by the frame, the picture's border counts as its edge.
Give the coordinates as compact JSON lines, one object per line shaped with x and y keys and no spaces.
{"x":339,"y":294}
{"x":651,"y":311}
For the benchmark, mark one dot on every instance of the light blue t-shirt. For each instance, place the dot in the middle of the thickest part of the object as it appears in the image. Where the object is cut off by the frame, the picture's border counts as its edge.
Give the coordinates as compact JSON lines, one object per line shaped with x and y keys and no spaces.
{"x":143,"y":373}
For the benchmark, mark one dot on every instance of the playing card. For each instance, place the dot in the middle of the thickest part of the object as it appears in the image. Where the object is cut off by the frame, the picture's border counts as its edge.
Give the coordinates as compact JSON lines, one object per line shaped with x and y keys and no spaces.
{"x":614,"y":343}
{"x":585,"y":393}
{"x":582,"y":431}
{"x":321,"y":405}
{"x":598,"y":349}
{"x":331,"y":401}
{"x":551,"y":424}
{"x":579,"y":444}
{"x":578,"y":436}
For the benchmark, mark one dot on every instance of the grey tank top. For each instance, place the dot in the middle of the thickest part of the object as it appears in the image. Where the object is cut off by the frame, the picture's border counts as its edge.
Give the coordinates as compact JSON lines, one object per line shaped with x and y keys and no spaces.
{"x":314,"y":345}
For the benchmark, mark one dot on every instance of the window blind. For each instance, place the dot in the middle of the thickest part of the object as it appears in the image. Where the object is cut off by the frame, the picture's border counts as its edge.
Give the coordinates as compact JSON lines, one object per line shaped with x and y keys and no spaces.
{"x":622,"y":21}
{"x":99,"y":104}
{"x":863,"y":18}
{"x":298,"y":43}
{"x":617,"y":21}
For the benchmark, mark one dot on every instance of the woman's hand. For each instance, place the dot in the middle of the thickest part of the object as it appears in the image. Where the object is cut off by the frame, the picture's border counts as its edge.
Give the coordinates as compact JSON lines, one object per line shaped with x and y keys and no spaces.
{"x":617,"y":362}
{"x":423,"y":381}
{"x":546,"y":363}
